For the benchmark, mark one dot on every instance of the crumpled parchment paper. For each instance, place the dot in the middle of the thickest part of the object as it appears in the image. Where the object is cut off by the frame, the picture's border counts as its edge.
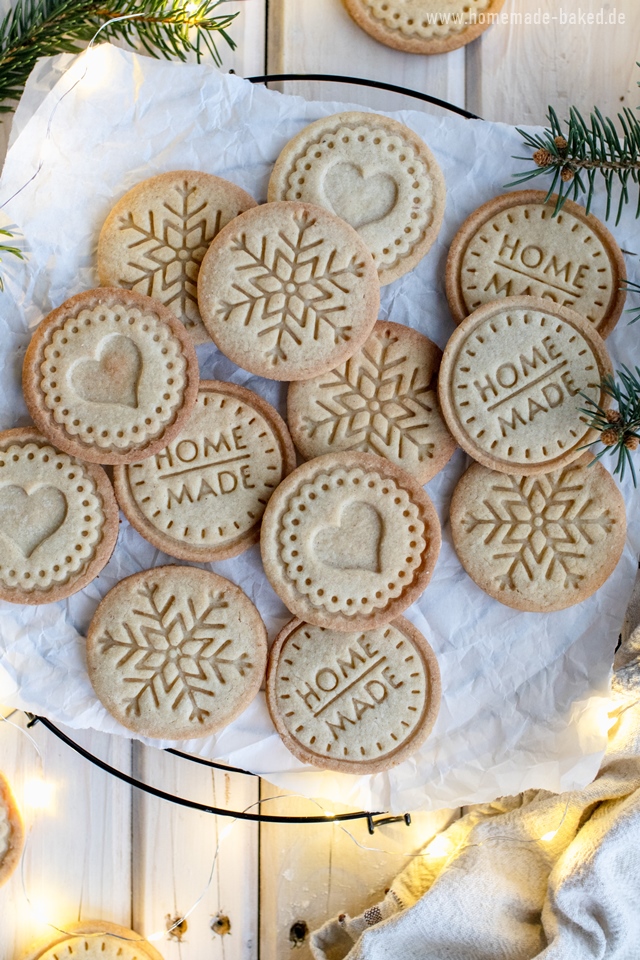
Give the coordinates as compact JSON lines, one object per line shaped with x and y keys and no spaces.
{"x":524,"y":695}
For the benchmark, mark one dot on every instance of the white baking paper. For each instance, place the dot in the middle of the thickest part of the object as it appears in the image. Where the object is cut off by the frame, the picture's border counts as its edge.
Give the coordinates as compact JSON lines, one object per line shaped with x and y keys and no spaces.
{"x":524,"y":695}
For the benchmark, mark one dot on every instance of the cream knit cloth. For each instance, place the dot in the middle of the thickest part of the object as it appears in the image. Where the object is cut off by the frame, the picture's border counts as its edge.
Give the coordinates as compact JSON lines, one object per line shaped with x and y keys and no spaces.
{"x":494,"y":890}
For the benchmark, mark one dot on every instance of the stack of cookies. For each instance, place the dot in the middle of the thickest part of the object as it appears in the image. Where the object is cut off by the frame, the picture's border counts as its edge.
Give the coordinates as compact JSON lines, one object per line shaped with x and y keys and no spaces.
{"x":290,"y":290}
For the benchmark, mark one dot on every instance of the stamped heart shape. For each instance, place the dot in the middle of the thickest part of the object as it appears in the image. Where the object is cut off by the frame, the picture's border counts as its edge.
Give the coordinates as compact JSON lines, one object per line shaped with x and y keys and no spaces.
{"x":113,"y":377}
{"x":357,"y":198}
{"x":28,"y":519}
{"x":355,"y":543}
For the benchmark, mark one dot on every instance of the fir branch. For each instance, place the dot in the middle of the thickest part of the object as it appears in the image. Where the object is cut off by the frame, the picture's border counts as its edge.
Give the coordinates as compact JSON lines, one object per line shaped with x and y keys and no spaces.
{"x":6,"y":248}
{"x":632,"y":287}
{"x":165,"y":28}
{"x":576,"y":154}
{"x":619,"y":428}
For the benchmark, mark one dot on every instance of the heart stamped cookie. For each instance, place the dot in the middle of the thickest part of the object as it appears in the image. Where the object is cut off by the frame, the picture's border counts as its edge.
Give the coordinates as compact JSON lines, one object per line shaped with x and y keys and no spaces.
{"x":515,"y":245}
{"x":353,"y":702}
{"x":176,"y":652}
{"x":203,"y":496}
{"x":349,"y":541}
{"x":424,"y":26}
{"x":383,"y":400}
{"x":376,"y":174}
{"x":94,"y":940}
{"x":11,"y":832}
{"x":539,"y":543}
{"x":58,"y":520}
{"x":513,"y":379}
{"x":154,"y":239}
{"x":110,"y":376}
{"x":288,"y":291}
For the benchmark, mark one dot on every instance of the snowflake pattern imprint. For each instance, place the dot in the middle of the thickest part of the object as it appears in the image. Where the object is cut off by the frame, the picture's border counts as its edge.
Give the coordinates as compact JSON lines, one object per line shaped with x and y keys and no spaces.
{"x":542,"y":526}
{"x":295,"y":289}
{"x":174,"y":656}
{"x":383,"y":401}
{"x":166,"y":252}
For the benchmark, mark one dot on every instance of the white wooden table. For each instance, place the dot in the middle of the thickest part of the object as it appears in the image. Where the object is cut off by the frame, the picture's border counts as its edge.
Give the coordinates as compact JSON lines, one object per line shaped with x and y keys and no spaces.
{"x":104,"y":850}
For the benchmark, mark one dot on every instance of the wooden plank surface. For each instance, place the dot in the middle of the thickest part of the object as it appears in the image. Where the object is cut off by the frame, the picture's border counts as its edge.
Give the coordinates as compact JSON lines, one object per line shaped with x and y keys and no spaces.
{"x":77,"y":862}
{"x":313,"y":872}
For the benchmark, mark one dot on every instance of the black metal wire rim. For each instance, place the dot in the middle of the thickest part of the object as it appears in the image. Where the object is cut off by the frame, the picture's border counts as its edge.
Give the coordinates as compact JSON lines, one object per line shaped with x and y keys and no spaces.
{"x":194,"y":804}
{"x":374,"y":84}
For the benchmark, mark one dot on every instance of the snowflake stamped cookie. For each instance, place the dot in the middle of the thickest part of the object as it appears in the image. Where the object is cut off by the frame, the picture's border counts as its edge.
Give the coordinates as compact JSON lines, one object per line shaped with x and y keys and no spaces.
{"x":349,"y":541}
{"x":203,"y":496}
{"x":516,"y":245}
{"x":176,"y":652}
{"x":354,"y":702}
{"x":383,"y":400}
{"x":539,"y":543}
{"x":110,"y":376}
{"x":58,"y":520}
{"x":376,"y":174}
{"x":154,"y":239}
{"x":424,"y":26}
{"x":94,"y":940}
{"x":513,"y":378}
{"x":288,"y":291}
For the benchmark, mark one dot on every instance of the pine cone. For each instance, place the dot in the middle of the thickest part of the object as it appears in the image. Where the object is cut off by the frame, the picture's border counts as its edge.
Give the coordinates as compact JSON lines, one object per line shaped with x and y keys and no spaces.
{"x":631,"y":443}
{"x":560,"y":143}
{"x":566,"y":175}
{"x":543,"y":158}
{"x":614,"y":416}
{"x":609,"y":437}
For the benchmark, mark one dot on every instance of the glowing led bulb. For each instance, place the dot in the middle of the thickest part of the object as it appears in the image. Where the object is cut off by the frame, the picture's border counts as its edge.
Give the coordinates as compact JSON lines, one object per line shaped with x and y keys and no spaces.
{"x":38,"y":793}
{"x":549,"y":836}
{"x":440,"y":846}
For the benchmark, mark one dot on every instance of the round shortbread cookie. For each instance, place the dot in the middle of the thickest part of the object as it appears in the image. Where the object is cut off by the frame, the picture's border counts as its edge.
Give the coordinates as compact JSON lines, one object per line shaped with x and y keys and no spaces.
{"x":11,"y":832}
{"x":110,"y":376}
{"x":288,"y":291}
{"x":176,"y":652}
{"x":354,"y":702}
{"x":539,"y":543}
{"x":513,"y":379}
{"x":384,"y":400}
{"x":94,"y":940}
{"x":349,"y":541}
{"x":376,"y":174}
{"x":154,"y":239}
{"x":58,"y":520}
{"x":203,"y":496}
{"x":515,"y":246}
{"x":424,"y":26}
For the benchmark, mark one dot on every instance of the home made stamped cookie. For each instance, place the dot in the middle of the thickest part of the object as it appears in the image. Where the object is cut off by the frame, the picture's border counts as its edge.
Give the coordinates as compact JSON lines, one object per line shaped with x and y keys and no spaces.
{"x":349,"y":541}
{"x":176,"y":652}
{"x":11,"y":832}
{"x":376,"y":174}
{"x":512,"y":382}
{"x":515,"y":245}
{"x":539,"y":543}
{"x":354,"y":702}
{"x":288,"y":291}
{"x":58,"y":520}
{"x":383,"y":401}
{"x":154,"y":239}
{"x":110,"y":376}
{"x":203,"y":496}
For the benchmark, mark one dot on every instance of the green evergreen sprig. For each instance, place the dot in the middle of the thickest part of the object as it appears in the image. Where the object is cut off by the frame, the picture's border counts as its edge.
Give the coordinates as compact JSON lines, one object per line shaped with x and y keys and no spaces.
{"x":580,"y":152}
{"x":619,"y":427}
{"x":7,"y":248}
{"x":42,"y":28}
{"x":634,"y":288}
